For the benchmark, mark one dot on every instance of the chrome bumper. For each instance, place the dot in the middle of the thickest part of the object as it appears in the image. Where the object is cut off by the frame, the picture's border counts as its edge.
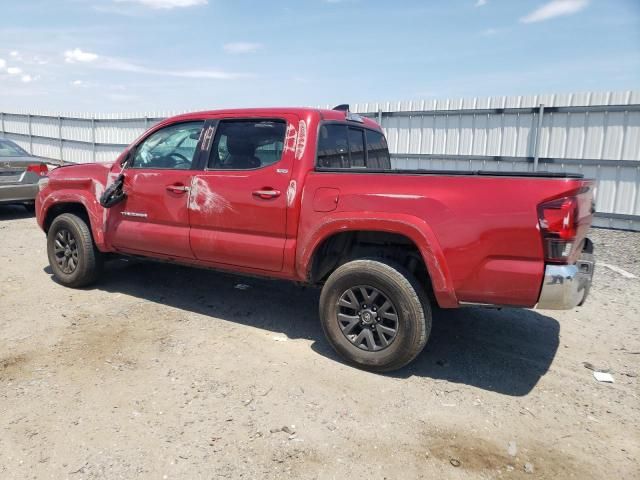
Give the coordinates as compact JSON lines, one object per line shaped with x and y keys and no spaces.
{"x":566,"y":286}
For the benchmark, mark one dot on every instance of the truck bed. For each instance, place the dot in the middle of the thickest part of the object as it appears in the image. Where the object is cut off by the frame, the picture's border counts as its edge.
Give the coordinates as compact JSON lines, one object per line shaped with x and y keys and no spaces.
{"x":483,"y":226}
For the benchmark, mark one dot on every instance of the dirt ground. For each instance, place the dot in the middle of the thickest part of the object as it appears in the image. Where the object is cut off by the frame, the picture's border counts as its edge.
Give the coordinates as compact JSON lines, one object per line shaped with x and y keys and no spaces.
{"x":167,"y":372}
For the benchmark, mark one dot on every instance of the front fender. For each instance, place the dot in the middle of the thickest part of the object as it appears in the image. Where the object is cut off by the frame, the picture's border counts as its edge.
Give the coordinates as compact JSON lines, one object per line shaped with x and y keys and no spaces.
{"x":87,"y":193}
{"x":414,"y":228}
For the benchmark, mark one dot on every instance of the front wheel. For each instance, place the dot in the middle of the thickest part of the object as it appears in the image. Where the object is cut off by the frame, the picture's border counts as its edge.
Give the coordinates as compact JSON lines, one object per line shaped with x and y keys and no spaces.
{"x":374,"y":314}
{"x":73,"y":257}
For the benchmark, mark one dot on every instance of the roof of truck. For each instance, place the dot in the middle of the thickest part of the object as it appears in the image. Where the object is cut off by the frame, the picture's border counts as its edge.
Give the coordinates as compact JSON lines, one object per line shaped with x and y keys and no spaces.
{"x":334,"y":115}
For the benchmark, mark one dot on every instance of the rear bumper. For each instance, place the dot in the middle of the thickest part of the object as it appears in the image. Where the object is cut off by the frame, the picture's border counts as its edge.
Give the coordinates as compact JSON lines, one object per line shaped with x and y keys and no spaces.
{"x":567,"y":286}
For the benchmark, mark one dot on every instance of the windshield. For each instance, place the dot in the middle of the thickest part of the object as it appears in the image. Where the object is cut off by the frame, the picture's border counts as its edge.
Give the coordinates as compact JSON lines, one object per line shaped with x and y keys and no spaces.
{"x":10,"y":149}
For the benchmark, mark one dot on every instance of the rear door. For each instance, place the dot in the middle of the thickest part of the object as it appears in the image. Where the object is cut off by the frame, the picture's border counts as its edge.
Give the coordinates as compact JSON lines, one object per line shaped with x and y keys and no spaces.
{"x":154,"y":218}
{"x":238,"y":204}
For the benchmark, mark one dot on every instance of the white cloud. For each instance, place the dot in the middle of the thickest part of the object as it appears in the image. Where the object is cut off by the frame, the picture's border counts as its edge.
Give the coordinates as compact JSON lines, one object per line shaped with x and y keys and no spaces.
{"x":14,"y":71}
{"x":166,"y":4}
{"x":28,"y":59}
{"x":33,"y":60}
{"x":555,"y":8}
{"x":481,"y":3}
{"x":117,"y":64}
{"x":489,"y":32}
{"x":78,"y":83}
{"x":26,"y":78}
{"x":242,"y":47}
{"x":122,"y":65}
{"x":77,"y":55}
{"x":3,"y":63}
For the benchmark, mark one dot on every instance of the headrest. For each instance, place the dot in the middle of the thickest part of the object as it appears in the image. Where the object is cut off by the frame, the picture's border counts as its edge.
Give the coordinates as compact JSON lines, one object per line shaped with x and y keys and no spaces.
{"x":240,"y":146}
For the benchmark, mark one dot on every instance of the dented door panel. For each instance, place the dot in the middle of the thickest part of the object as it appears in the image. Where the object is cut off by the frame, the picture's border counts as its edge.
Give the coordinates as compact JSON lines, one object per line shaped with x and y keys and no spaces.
{"x":153,"y":218}
{"x":238,"y":217}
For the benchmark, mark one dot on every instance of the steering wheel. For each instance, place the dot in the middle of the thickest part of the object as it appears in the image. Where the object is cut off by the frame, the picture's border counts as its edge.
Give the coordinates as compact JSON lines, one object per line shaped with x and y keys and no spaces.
{"x":181,"y":158}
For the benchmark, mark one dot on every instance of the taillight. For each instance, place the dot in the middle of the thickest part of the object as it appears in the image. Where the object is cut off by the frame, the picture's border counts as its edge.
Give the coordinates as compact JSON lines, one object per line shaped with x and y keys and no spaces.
{"x":38,"y":168}
{"x":559,"y":226}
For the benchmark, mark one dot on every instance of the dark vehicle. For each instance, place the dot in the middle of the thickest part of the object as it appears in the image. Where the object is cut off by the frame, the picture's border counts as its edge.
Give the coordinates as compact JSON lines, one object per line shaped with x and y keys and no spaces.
{"x":19,"y":175}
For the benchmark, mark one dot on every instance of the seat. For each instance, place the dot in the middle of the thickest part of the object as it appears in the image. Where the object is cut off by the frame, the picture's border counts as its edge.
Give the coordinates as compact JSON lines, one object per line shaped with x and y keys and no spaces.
{"x":241,"y":154}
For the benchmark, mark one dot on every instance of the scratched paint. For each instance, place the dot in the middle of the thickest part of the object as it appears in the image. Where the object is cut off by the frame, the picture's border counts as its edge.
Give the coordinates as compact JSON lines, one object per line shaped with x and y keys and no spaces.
{"x":203,"y":199}
{"x":99,"y":190}
{"x":291,"y":192}
{"x":302,"y":139}
{"x":290,"y":139}
{"x":395,"y":195}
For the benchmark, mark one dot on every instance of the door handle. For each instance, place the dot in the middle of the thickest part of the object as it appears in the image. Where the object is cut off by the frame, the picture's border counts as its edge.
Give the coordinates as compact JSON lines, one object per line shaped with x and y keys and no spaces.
{"x":266,"y":193}
{"x":177,"y":188}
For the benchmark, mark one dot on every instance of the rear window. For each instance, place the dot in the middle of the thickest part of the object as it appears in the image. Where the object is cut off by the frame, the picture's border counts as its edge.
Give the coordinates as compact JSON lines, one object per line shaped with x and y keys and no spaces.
{"x":343,"y":146}
{"x":10,"y":149}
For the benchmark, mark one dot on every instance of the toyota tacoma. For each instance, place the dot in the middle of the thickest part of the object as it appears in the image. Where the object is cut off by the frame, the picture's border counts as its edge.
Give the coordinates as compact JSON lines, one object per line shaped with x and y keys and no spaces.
{"x":311,"y":196}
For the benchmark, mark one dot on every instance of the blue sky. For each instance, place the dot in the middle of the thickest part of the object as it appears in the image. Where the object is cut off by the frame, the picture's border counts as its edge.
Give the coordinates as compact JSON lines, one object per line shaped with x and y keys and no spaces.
{"x":159,"y":55}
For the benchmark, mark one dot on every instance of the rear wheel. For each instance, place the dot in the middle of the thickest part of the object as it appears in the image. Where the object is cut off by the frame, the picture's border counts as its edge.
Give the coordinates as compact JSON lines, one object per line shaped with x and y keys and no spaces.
{"x":73,"y":257}
{"x":374,"y":314}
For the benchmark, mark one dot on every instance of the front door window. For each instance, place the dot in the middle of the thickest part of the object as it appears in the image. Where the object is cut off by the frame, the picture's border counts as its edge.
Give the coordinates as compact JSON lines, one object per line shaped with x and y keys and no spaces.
{"x":172,"y":147}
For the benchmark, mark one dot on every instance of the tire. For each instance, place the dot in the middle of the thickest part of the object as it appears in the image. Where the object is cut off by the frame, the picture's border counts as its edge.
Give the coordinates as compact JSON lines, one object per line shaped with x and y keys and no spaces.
{"x":83,"y":260}
{"x":391,"y":282}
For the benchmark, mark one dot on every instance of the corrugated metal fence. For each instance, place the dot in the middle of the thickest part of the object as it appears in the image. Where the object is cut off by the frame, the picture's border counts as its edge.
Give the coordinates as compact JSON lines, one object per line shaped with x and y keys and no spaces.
{"x":597,"y":134}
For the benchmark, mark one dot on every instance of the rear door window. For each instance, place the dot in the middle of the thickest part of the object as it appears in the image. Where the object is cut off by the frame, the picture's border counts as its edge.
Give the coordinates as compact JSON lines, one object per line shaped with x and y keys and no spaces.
{"x":247,"y":144}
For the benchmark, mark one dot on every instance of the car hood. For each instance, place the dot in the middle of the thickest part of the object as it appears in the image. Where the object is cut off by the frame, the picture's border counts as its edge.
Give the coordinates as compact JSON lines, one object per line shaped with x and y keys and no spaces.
{"x":88,"y":171}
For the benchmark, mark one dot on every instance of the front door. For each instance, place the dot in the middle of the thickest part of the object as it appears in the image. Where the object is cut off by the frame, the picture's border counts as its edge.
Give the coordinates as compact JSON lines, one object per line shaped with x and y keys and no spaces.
{"x":154,"y":218}
{"x":238,"y":204}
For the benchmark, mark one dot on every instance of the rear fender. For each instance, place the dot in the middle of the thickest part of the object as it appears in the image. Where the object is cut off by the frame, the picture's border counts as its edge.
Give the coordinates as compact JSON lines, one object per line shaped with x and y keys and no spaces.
{"x":414,"y":228}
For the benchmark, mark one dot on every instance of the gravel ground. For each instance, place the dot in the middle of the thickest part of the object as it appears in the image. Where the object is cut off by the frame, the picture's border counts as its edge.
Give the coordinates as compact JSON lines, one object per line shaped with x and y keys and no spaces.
{"x":168,"y":372}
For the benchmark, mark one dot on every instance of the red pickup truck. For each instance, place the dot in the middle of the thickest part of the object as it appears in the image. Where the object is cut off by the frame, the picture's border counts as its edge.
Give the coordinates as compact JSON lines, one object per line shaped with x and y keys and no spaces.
{"x":310,"y":196}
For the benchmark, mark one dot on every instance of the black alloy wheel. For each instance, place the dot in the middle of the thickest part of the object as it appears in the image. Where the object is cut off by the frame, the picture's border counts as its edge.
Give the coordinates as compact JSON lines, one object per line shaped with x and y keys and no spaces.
{"x":66,"y":251}
{"x":367,"y":318}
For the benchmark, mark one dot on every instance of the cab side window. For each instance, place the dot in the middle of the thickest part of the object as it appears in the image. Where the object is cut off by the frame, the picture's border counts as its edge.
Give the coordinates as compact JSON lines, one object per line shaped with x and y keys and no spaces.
{"x":342,"y":146}
{"x":356,"y":147}
{"x":377,"y":151}
{"x":172,"y":147}
{"x":333,"y":146}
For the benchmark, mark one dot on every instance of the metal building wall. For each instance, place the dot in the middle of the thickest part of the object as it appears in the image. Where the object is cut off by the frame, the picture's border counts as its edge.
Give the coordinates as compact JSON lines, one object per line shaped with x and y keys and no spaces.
{"x":596,"y":134}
